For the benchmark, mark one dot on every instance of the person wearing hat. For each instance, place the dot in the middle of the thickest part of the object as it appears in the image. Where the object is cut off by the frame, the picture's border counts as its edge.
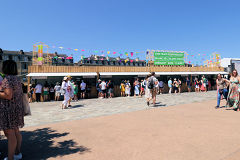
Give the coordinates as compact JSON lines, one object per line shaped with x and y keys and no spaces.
{"x":57,"y":90}
{"x":71,"y":91}
{"x":64,"y":88}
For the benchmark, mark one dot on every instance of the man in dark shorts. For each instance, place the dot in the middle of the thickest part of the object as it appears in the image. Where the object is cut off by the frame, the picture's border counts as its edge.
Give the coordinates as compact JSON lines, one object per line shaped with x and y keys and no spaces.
{"x":110,"y":87}
{"x":188,"y":83}
{"x":103,"y":87}
{"x":99,"y":91}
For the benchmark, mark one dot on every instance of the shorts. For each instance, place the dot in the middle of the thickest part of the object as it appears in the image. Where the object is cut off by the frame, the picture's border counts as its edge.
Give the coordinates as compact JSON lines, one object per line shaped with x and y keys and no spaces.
{"x":189,"y":86}
{"x":161,"y":87}
{"x":45,"y":93}
{"x":57,"y":94}
{"x":82,"y":91}
{"x":175,"y":88}
{"x":104,"y":91}
{"x":110,"y":90}
{"x":196,"y":86}
{"x":204,"y":85}
{"x":99,"y":90}
{"x":142,"y":89}
{"x":30,"y":95}
{"x":153,"y":92}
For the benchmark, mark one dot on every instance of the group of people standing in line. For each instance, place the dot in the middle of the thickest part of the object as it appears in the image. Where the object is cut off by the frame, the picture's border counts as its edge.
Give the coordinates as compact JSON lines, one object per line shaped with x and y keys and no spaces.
{"x":202,"y":85}
{"x":150,"y":86}
{"x":105,"y":89}
{"x":51,"y":92}
{"x":139,"y":87}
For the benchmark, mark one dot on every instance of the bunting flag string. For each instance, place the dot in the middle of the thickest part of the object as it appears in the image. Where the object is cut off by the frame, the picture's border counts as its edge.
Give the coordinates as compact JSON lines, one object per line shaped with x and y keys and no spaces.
{"x":190,"y":58}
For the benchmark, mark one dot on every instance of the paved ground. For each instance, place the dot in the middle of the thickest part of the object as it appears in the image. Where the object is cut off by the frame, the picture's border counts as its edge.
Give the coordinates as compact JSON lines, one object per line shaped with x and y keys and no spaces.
{"x":194,"y":131}
{"x":50,"y":112}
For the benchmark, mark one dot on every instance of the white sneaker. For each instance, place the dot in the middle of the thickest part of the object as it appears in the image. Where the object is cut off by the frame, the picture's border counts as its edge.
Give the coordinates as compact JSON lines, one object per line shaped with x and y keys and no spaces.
{"x":18,"y":156}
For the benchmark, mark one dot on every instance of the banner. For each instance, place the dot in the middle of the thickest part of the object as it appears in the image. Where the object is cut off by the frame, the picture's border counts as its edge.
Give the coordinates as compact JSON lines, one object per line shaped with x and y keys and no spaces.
{"x":168,"y":58}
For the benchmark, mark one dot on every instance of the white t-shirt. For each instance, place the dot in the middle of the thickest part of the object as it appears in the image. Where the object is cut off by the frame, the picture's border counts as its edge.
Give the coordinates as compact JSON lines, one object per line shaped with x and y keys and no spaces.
{"x":103,"y":85}
{"x":83,"y":86}
{"x":38,"y":88}
{"x":71,"y":85}
{"x":57,"y":88}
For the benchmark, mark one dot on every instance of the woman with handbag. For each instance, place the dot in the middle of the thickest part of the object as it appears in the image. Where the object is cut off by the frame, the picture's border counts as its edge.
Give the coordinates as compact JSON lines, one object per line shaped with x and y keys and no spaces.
{"x":11,"y":109}
{"x":233,"y":95}
{"x":222,"y":89}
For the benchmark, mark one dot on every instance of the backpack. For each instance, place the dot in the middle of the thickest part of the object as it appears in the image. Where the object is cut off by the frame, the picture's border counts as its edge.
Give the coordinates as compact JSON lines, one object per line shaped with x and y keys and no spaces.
{"x":150,"y":83}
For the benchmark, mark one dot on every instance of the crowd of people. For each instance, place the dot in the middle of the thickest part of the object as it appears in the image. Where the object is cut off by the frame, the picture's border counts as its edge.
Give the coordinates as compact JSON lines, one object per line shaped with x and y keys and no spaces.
{"x":106,"y":88}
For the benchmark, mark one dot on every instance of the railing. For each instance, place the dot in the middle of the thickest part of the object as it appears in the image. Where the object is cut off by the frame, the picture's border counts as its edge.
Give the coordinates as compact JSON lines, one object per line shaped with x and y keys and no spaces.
{"x":68,"y":69}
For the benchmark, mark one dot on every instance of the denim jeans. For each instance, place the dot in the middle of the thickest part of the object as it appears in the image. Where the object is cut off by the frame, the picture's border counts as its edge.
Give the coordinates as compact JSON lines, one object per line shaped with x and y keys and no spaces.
{"x":224,"y":93}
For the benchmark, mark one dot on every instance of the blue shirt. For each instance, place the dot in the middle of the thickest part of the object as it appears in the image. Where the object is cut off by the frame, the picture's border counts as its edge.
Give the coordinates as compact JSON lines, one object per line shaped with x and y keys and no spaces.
{"x":170,"y":83}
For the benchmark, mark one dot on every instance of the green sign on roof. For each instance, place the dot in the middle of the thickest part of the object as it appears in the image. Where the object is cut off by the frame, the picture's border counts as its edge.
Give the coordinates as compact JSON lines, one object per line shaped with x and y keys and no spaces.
{"x":168,"y":58}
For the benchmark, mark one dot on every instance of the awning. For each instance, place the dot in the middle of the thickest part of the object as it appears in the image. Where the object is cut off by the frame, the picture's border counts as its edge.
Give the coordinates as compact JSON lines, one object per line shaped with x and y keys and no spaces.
{"x":62,"y":74}
{"x":189,"y":73}
{"x":123,"y":73}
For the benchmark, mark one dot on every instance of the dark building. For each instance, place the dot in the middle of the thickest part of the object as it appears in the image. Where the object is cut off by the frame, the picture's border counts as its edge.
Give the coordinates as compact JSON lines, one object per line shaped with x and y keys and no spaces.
{"x":95,"y":60}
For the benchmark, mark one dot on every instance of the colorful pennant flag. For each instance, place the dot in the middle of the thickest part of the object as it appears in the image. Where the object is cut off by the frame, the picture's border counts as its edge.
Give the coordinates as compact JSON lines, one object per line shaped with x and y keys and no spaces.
{"x":76,"y":49}
{"x":108,"y":52}
{"x":131,"y":54}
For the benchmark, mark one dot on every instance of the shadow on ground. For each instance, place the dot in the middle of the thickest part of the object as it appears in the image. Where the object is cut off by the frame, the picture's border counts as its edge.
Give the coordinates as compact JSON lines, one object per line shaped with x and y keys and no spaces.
{"x":75,"y":106}
{"x":159,"y":104}
{"x":40,"y":144}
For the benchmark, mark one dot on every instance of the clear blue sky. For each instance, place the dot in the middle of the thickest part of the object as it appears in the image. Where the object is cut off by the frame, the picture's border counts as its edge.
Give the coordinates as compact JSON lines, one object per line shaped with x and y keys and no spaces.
{"x":203,"y":26}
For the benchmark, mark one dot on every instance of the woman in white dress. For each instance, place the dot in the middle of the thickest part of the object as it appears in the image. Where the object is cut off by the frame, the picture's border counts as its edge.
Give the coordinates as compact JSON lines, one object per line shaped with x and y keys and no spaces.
{"x":128,"y":89}
{"x":66,"y":92}
{"x":148,"y":94}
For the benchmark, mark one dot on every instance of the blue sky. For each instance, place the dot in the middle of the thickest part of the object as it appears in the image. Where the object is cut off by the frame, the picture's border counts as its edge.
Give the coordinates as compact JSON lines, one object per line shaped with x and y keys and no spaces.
{"x":197,"y":27}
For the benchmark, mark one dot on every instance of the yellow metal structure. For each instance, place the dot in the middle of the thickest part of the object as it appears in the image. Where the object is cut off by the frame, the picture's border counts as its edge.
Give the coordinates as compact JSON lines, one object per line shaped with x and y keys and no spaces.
{"x":41,"y":54}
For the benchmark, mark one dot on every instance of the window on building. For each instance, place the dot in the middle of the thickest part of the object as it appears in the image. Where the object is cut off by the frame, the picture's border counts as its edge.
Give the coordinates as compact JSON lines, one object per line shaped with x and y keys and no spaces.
{"x":24,"y":65}
{"x":15,"y":58}
{"x":25,"y":58}
{"x":5,"y":57}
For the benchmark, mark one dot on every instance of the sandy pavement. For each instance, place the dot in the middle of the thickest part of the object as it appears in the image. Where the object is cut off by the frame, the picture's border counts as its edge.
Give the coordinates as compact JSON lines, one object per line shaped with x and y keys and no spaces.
{"x":194,"y":131}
